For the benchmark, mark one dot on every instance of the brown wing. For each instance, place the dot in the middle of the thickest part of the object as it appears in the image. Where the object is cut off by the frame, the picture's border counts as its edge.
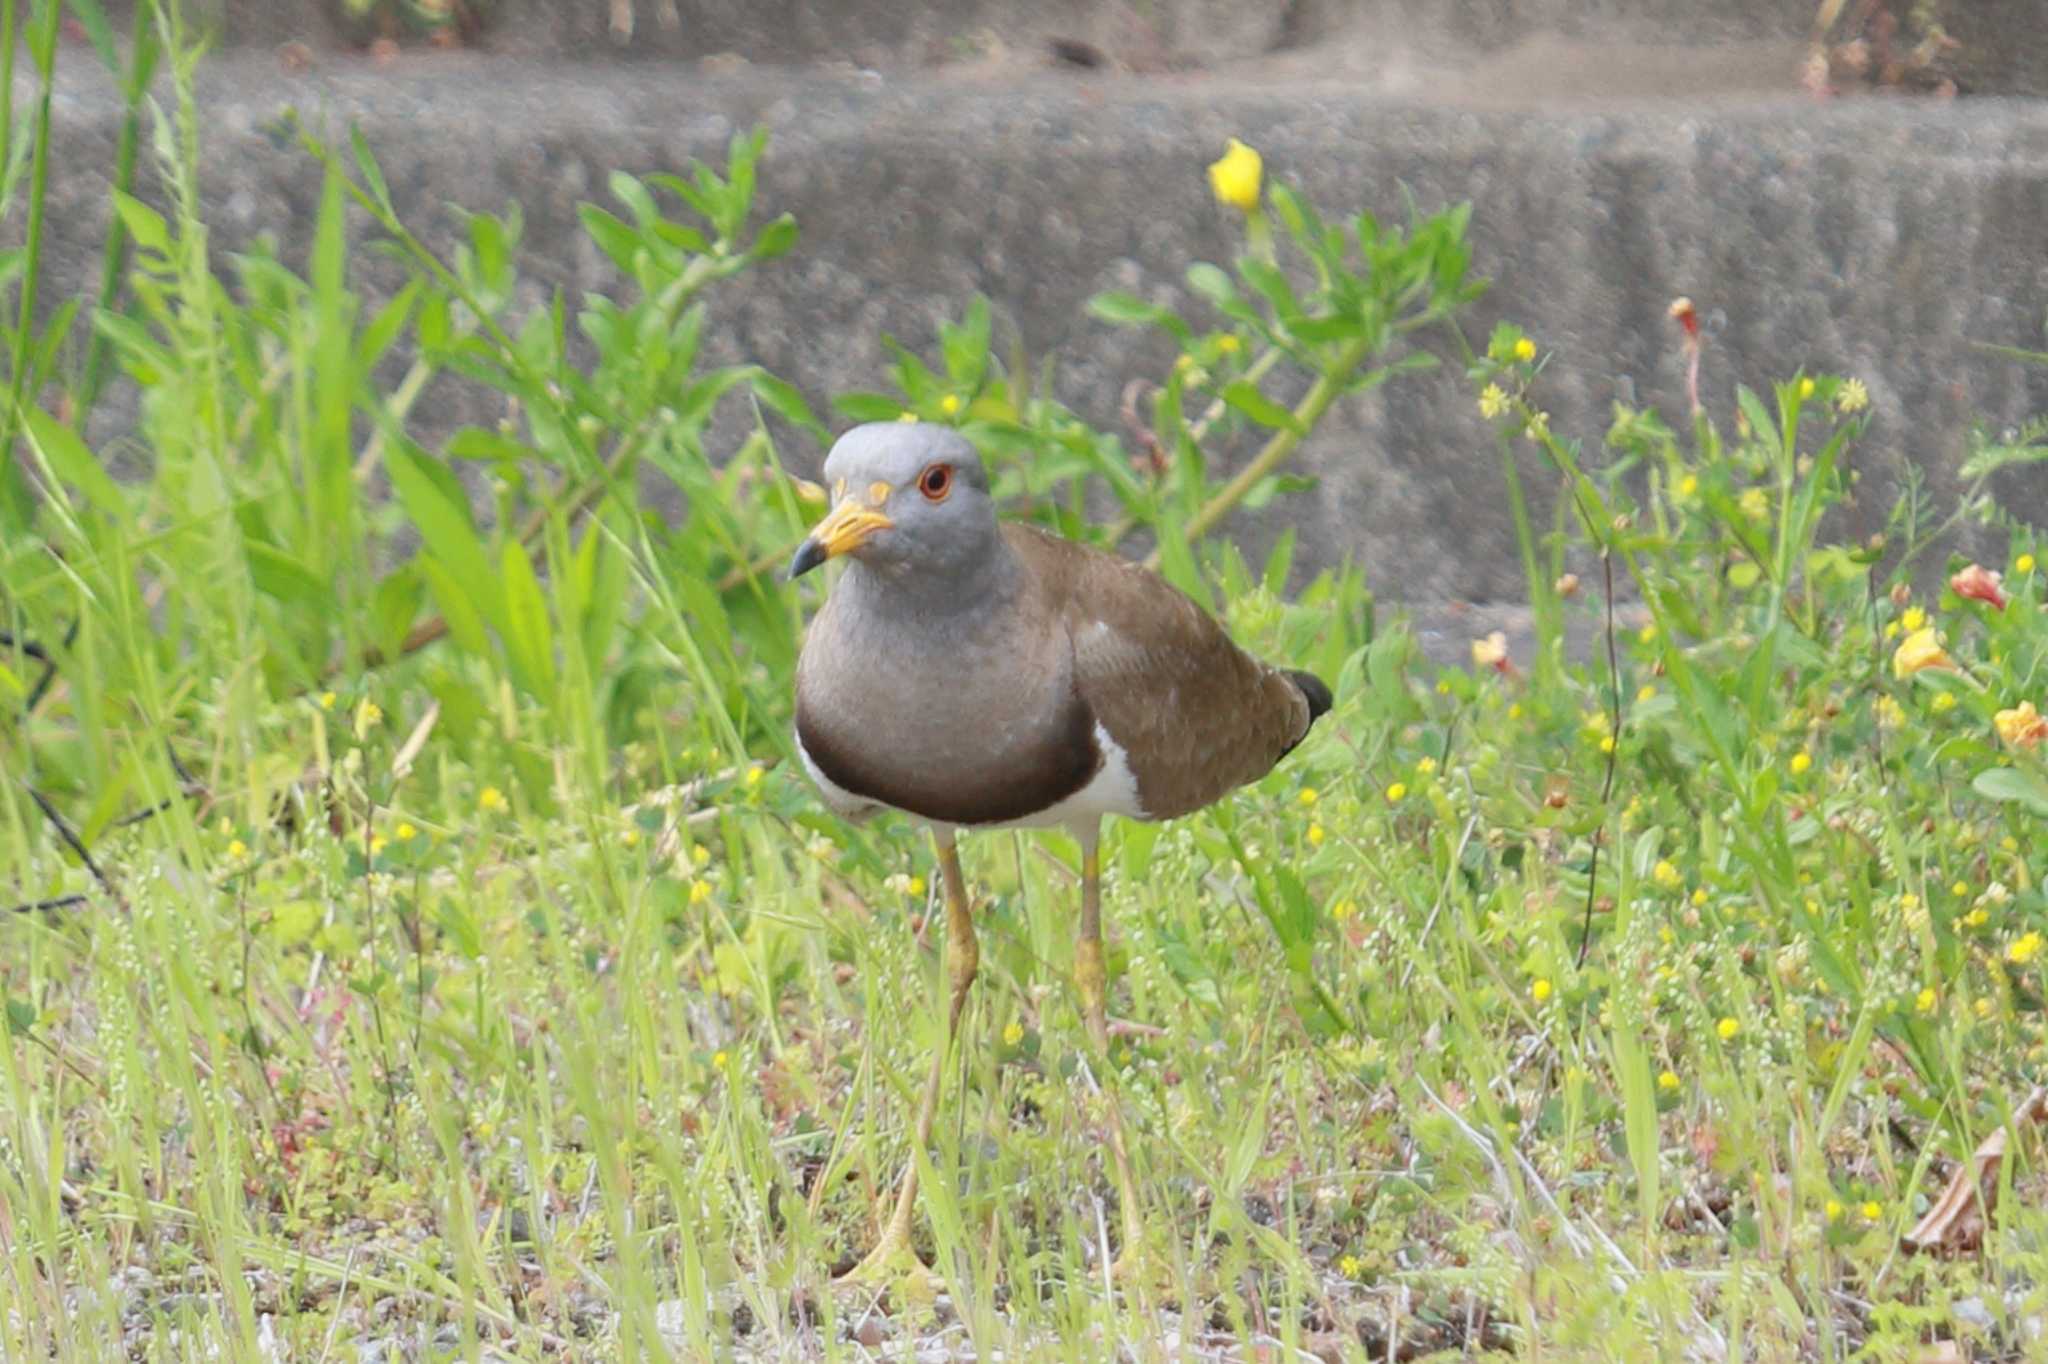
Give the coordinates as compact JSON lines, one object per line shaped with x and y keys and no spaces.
{"x":1195,"y":715}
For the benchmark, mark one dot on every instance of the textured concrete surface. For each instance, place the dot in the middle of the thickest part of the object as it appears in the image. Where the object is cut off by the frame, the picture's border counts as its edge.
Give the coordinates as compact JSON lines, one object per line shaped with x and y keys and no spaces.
{"x":1874,"y":237}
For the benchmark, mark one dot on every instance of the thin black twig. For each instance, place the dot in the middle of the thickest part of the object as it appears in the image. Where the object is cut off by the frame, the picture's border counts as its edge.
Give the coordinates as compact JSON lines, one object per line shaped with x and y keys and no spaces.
{"x":72,"y":841}
{"x":48,"y":906}
{"x":1613,"y":755}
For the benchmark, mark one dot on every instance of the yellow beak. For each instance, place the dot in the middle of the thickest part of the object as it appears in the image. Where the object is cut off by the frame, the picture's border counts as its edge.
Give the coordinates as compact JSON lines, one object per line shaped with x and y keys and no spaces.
{"x":848,"y":526}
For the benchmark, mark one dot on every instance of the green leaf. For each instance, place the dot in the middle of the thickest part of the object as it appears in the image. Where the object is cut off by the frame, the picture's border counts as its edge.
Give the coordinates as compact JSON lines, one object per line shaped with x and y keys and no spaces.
{"x":2013,"y":786}
{"x":442,"y":519}
{"x":69,"y":459}
{"x":366,"y":163}
{"x":21,"y":1017}
{"x":465,"y":622}
{"x":277,"y":574}
{"x":143,"y":223}
{"x":528,"y":637}
{"x":776,"y":239}
{"x":782,"y":398}
{"x":1244,"y":395}
{"x":93,"y":20}
{"x":1128,"y":310}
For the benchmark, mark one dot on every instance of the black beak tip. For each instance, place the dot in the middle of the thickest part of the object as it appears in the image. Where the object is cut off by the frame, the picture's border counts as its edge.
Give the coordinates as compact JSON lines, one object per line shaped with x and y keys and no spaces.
{"x":808,"y":556}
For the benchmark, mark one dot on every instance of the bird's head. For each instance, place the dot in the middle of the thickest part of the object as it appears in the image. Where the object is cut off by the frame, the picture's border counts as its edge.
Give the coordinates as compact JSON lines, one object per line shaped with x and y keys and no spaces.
{"x":905,"y":498}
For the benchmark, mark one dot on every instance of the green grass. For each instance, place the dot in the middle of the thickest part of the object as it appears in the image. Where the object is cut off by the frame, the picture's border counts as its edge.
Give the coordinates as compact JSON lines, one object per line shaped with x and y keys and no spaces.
{"x":488,"y":982}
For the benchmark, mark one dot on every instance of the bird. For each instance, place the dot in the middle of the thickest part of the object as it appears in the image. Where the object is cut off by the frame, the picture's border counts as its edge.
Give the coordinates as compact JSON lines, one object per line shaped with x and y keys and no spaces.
{"x":974,"y":673}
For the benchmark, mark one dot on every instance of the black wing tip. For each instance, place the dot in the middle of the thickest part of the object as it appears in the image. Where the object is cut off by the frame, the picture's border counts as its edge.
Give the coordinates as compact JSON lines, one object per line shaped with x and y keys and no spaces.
{"x":1315,"y":690}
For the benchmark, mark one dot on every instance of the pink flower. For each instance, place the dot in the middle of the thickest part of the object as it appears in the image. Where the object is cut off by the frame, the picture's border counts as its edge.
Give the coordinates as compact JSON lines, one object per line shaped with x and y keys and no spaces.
{"x":1979,"y":584}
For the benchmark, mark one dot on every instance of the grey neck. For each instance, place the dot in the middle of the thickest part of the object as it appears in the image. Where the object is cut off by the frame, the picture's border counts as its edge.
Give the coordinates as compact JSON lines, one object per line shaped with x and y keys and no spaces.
{"x":909,"y":592}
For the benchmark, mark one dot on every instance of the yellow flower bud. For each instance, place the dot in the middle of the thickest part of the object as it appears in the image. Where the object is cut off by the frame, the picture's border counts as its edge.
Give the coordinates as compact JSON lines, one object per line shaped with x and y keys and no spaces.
{"x":1235,"y":176}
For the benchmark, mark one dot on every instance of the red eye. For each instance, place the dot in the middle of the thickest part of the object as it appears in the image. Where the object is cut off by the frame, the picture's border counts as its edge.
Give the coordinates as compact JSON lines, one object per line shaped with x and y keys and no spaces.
{"x":936,"y":481}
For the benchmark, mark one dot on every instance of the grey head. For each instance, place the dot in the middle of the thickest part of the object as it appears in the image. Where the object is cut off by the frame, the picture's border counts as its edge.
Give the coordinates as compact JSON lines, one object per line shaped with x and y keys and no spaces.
{"x":909,"y":501}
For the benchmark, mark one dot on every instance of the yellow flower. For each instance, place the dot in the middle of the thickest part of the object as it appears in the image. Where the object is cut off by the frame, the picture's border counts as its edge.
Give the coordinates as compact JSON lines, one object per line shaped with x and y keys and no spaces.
{"x":1396,"y":792}
{"x":1666,"y":875}
{"x":237,"y":850}
{"x":1607,"y":743}
{"x":1727,"y":1028}
{"x":1833,"y":1210}
{"x":2022,"y":726}
{"x":1308,"y":795}
{"x":1960,"y":888}
{"x":1920,"y":650}
{"x":1525,"y":350}
{"x":1539,"y":990}
{"x":907,"y":417}
{"x":1648,"y":634}
{"x":1912,"y":618}
{"x":1228,"y":344}
{"x":1492,"y":402}
{"x":1013,"y":1033}
{"x":1539,"y":428}
{"x":754,"y":775}
{"x":1983,"y":1007}
{"x":490,"y":800}
{"x":1800,"y":762}
{"x":405,"y":832}
{"x":950,"y":404}
{"x":368,"y":716}
{"x":1343,"y":910}
{"x":1755,"y":503}
{"x":700,"y":891}
{"x":1646,"y":695}
{"x":1943,"y":702}
{"x":631,"y":838}
{"x":1890,"y":714}
{"x":1425,"y":765}
{"x":1667,"y":1081}
{"x":2024,"y":949}
{"x":1806,"y":388}
{"x":1491,"y":652}
{"x":916,"y":887}
{"x":1234,"y":177}
{"x":327,"y":699}
{"x":1689,"y":485}
{"x":718,"y":1060}
{"x":1872,"y":1210}
{"x":2023,"y":565}
{"x":1924,"y":1001}
{"x":700,"y":854}
{"x":378,"y":843}
{"x":1350,"y":1266}
{"x":1315,"y":835}
{"x":1977,"y":917}
{"x":1699,"y":895}
{"x":1852,"y":396}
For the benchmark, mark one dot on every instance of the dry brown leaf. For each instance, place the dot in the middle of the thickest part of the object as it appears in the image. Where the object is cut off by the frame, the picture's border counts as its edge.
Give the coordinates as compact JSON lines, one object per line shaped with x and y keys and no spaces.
{"x":1956,"y":1221}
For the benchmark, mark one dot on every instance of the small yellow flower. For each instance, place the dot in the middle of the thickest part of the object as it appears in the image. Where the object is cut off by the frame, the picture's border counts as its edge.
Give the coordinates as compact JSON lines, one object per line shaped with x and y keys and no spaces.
{"x":368,"y":716}
{"x":718,"y":1059}
{"x":1607,"y":743}
{"x":1350,"y":1266}
{"x":1525,"y":350}
{"x":1308,"y":795}
{"x":1689,"y":485}
{"x":1646,"y":695}
{"x":1013,"y":1033}
{"x":1727,"y":1028}
{"x":490,"y":800}
{"x":950,"y":404}
{"x":1943,"y":702}
{"x":1648,"y":634}
{"x":1234,"y":177}
{"x":907,"y":417}
{"x":916,"y":887}
{"x":1912,"y":618}
{"x":1959,"y":889}
{"x":237,"y":850}
{"x":1666,"y":875}
{"x":405,"y":833}
{"x":1343,"y":910}
{"x":1983,"y":1007}
{"x":1539,"y":428}
{"x":1515,"y":711}
{"x":1491,"y":652}
{"x":754,"y":775}
{"x":1872,"y":1210}
{"x":1920,"y":650}
{"x":700,"y":891}
{"x":1667,"y":1081}
{"x":631,"y":838}
{"x":1492,"y":401}
{"x":700,"y":854}
{"x":2024,"y":949}
{"x":1852,"y":396}
{"x":327,"y":700}
{"x":1699,"y":896}
{"x":1977,"y":917}
{"x":1755,"y":503}
{"x":1539,"y":990}
{"x":1395,"y":792}
{"x":1425,"y":765}
{"x":1800,"y":762}
{"x":1806,"y":388}
{"x":2023,"y":565}
{"x":1890,"y":714}
{"x":378,"y":843}
{"x":1228,"y":344}
{"x":1833,"y":1210}
{"x":1925,"y":1000}
{"x":1315,"y":835}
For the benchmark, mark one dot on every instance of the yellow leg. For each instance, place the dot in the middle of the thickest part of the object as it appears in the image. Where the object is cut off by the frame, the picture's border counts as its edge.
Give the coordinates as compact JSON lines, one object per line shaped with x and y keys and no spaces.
{"x":1091,"y":976}
{"x":963,"y":958}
